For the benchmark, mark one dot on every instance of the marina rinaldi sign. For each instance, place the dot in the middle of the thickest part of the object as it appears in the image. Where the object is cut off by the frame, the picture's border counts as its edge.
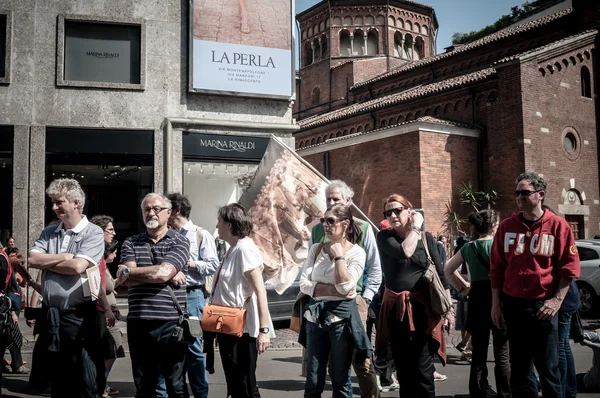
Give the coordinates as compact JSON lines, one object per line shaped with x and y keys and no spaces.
{"x":224,"y":146}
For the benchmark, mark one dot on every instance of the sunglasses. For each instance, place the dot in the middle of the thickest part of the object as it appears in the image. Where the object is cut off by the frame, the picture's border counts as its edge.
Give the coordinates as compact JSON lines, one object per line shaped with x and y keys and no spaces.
{"x":525,"y":192}
{"x":329,"y":220}
{"x":155,"y":209}
{"x":396,"y":211}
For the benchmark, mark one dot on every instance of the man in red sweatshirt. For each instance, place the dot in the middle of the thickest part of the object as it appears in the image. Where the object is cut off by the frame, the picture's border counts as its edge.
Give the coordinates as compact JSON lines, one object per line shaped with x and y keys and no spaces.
{"x":532,"y":262}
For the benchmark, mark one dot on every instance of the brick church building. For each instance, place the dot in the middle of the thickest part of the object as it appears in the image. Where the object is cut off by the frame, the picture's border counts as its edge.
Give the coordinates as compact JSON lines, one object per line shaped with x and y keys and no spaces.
{"x":378,"y":108}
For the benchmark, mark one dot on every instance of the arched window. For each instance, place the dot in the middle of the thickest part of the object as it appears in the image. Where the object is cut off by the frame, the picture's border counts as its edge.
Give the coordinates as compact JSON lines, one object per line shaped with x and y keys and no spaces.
{"x":359,"y":43}
{"x":345,"y":46}
{"x":417,"y":27}
{"x":380,"y":20}
{"x":358,"y":20}
{"x":391,"y":21}
{"x":372,"y":43}
{"x":369,"y":20}
{"x":310,"y":31}
{"x":322,"y":26}
{"x":347,"y":21}
{"x":419,"y":48}
{"x":308,"y":56}
{"x":316,"y":96}
{"x":398,"y":50}
{"x":408,"y":25}
{"x":324,"y":47}
{"x":337,"y":21}
{"x":424,"y":30}
{"x":400,"y":23}
{"x":408,"y":46}
{"x":586,"y":84}
{"x":317,"y":47}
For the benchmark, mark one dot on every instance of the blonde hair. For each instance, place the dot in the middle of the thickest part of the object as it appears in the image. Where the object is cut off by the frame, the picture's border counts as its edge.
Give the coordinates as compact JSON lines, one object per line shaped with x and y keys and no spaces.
{"x":68,"y":187}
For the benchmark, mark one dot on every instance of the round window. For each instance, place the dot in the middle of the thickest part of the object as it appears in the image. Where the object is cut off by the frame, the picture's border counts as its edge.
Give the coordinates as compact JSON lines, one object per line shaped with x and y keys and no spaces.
{"x":570,"y":143}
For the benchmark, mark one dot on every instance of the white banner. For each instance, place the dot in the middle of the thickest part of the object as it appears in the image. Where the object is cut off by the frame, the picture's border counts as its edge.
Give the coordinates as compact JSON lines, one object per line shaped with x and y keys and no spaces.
{"x":241,"y":68}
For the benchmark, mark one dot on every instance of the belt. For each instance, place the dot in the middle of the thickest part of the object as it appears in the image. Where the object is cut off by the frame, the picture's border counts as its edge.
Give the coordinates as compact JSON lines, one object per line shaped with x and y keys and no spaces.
{"x":195,"y":287}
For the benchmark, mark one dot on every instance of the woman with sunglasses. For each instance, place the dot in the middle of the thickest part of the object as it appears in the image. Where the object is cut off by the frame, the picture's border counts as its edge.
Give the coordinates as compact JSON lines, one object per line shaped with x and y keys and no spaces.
{"x":332,"y":323}
{"x":479,"y":307}
{"x":406,"y":320}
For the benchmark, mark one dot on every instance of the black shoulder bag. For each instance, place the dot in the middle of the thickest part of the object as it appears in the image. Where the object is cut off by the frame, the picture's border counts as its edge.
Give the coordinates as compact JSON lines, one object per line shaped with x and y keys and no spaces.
{"x":187,"y":330}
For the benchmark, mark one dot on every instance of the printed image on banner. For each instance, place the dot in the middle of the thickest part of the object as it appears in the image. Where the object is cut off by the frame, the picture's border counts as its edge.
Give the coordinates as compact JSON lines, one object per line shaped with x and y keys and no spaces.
{"x":242,"y":46}
{"x":286,"y":199}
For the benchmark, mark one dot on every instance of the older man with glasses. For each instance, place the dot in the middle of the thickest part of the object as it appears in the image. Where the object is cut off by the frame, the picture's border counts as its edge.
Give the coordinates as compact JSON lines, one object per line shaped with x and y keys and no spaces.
{"x":533,"y":261}
{"x":152,"y":263}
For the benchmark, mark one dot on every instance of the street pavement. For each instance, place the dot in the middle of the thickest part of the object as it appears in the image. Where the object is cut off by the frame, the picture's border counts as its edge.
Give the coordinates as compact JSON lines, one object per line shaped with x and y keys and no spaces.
{"x":279,"y":370}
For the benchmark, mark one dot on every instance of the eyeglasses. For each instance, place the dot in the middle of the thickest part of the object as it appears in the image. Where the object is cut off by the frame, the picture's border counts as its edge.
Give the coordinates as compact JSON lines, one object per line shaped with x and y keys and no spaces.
{"x":526,"y":192}
{"x":396,"y":211}
{"x":329,"y":220}
{"x":110,"y":231}
{"x":155,"y":209}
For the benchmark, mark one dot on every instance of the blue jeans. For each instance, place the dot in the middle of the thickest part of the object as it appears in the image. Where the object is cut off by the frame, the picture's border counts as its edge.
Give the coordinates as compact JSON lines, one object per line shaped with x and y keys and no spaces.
{"x":566,"y":362}
{"x":320,"y":341}
{"x":531,"y":341}
{"x":195,"y":361}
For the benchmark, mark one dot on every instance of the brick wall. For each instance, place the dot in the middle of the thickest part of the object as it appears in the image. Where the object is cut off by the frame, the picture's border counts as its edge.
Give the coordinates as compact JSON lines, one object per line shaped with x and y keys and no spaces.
{"x":552,"y":104}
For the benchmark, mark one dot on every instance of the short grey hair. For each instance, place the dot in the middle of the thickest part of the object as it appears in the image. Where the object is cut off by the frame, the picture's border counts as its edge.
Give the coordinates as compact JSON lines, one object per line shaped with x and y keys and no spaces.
{"x":168,"y":204}
{"x":538,"y":182}
{"x":347,"y":192}
{"x":68,"y":187}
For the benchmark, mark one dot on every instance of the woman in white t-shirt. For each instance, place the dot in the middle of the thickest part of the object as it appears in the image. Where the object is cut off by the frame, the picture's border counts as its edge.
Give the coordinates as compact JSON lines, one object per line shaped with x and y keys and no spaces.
{"x":332,"y":323}
{"x":239,"y":283}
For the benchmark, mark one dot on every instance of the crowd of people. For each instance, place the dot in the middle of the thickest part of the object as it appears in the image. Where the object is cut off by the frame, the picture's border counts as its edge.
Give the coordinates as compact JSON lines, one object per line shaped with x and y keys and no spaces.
{"x":514,"y":281}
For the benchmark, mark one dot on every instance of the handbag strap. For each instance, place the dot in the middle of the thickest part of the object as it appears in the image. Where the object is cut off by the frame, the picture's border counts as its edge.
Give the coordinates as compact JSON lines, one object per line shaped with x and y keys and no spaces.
{"x":218,"y":274}
{"x":482,"y":260}
{"x":424,"y":240}
{"x":173,"y":297}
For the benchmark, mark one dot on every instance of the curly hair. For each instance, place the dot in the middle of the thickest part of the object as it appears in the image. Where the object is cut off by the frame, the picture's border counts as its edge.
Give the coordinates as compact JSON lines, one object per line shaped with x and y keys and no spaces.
{"x":538,"y":182}
{"x":68,"y":187}
{"x":181,"y":203}
{"x":347,"y":192}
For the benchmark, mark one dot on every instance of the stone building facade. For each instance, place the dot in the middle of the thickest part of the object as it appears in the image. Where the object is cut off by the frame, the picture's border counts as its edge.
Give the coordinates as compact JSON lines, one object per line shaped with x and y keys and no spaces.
{"x":523,"y":98}
{"x":120,"y":140}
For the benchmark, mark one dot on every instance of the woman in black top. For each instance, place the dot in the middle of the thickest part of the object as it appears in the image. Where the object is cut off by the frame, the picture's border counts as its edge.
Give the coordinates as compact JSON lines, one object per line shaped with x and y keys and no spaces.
{"x":406,"y":320}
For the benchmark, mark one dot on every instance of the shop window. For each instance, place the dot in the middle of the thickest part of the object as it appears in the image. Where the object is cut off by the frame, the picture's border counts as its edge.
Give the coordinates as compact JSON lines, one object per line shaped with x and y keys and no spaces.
{"x":101,"y":54}
{"x":586,"y":85}
{"x":5,"y":41}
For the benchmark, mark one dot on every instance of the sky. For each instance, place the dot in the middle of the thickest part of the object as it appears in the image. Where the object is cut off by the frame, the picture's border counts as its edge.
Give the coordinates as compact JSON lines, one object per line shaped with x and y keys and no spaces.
{"x":454,"y":15}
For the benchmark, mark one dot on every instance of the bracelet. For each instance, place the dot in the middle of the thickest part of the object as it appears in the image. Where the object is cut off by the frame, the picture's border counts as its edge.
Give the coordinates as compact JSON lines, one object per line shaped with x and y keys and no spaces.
{"x":339,"y":258}
{"x":415,"y":229}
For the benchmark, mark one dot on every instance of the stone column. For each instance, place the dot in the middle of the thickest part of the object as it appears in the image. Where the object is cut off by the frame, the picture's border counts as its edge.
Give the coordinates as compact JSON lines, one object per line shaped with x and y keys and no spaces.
{"x":402,"y":52}
{"x":412,"y":50}
{"x":159,"y":185}
{"x":20,"y":195}
{"x":37,"y":182}
{"x":365,"y":37}
{"x":351,"y":43}
{"x":177,"y":160}
{"x":312,"y":46}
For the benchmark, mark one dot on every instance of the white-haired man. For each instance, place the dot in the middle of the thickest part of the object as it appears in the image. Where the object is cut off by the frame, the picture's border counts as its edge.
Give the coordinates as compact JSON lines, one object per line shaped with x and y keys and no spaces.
{"x":338,"y":192}
{"x":63,"y":253}
{"x":151,"y":262}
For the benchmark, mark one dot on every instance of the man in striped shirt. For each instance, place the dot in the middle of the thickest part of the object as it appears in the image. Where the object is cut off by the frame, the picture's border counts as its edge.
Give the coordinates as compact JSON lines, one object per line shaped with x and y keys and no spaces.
{"x":150,"y":263}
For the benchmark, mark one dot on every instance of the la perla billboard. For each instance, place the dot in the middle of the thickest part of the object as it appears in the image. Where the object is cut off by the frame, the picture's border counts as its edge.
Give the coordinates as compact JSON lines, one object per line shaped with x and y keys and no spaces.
{"x":242,"y":47}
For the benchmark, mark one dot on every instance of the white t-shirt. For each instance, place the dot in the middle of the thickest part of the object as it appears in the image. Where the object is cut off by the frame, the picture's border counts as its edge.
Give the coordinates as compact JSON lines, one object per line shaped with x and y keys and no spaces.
{"x":233,"y":289}
{"x":322,"y":271}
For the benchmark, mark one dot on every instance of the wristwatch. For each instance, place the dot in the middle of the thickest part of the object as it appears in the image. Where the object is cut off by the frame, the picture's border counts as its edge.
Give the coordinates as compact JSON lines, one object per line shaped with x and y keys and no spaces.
{"x":126,"y":272}
{"x":264,"y":330}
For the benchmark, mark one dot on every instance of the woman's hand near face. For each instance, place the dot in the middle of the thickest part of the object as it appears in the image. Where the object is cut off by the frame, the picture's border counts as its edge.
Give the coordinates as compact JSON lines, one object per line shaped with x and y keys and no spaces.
{"x":416,"y":219}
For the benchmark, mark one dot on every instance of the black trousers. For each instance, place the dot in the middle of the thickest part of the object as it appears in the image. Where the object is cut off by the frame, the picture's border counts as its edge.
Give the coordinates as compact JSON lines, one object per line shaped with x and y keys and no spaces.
{"x":238,"y":356}
{"x":71,"y":370}
{"x":479,"y":324}
{"x":96,"y":352}
{"x":153,"y":353}
{"x":413,"y":354}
